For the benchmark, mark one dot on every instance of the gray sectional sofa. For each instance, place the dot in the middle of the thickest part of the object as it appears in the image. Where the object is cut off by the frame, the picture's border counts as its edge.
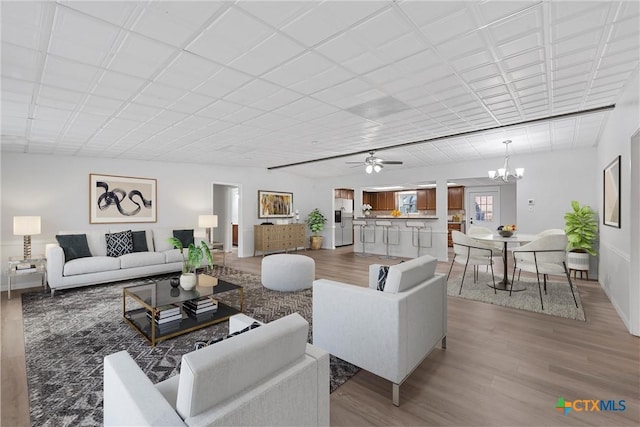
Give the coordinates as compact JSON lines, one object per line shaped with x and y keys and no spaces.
{"x":159,"y":257}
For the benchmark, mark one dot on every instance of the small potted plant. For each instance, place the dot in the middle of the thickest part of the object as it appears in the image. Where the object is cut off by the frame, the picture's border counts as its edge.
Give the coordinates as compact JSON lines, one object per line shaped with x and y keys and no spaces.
{"x":316,"y":222}
{"x":581,"y":228}
{"x":191,"y":261}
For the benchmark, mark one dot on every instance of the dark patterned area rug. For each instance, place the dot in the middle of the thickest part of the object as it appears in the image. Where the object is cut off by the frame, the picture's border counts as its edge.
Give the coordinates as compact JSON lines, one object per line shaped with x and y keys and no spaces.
{"x":67,"y":337}
{"x":557,"y":302}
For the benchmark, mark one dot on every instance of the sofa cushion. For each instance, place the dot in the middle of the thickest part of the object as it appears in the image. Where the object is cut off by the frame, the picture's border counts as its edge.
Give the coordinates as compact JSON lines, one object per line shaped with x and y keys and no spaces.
{"x":172,"y":255}
{"x":406,"y":275}
{"x":161,"y":239}
{"x":139,"y":239}
{"x":141,"y":259}
{"x":119,"y":244}
{"x":96,"y":240}
{"x":185,"y":236}
{"x":216,"y":373}
{"x":95,"y":264}
{"x":74,"y":246}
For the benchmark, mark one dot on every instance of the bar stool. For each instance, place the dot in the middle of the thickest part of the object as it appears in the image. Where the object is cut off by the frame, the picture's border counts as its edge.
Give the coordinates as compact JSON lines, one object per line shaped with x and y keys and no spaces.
{"x":363,"y":225}
{"x":386,"y":226}
{"x":418,"y":228}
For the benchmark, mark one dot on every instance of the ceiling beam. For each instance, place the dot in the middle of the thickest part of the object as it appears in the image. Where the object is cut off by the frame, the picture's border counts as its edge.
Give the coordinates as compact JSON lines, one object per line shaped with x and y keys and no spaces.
{"x":454,"y":135}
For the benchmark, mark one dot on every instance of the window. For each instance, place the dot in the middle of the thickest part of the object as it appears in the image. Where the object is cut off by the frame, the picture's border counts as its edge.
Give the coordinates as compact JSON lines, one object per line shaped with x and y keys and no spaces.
{"x":407,"y":201}
{"x":484,"y":208}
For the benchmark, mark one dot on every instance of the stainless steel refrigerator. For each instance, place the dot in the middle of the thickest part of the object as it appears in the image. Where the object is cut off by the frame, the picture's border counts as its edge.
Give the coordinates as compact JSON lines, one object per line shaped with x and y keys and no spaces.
{"x":344,"y":227}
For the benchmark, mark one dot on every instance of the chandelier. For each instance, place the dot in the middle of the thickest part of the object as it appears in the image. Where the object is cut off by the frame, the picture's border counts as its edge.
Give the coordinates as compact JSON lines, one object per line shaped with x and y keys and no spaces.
{"x":505,"y":171}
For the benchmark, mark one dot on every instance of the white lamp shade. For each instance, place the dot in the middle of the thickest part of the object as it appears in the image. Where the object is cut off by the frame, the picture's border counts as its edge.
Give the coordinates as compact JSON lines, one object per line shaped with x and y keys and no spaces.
{"x":26,"y":225}
{"x":368,"y":169}
{"x":208,"y":221}
{"x":519,"y":172}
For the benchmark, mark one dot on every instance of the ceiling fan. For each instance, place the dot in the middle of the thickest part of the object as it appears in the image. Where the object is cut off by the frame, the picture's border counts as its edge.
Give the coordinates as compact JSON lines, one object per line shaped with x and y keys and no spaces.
{"x":375,"y":164}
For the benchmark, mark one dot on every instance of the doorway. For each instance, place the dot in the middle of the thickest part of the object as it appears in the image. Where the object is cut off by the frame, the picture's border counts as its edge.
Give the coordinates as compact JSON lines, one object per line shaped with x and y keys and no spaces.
{"x":484,"y":207}
{"x":226,"y":203}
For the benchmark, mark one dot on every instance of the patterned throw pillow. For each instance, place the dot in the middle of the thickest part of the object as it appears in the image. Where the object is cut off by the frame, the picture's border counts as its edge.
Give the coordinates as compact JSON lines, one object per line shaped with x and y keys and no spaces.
{"x":382,"y":276}
{"x":203,"y":344}
{"x":119,"y":244}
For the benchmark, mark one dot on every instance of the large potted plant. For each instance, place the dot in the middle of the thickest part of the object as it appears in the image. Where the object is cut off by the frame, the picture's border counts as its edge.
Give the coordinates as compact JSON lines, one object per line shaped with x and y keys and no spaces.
{"x":316,"y":222}
{"x":581,"y":228}
{"x":191,"y":261}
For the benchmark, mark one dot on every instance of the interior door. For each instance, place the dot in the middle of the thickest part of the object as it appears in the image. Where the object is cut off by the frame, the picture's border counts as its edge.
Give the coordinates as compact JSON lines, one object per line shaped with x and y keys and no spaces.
{"x":483,"y":208}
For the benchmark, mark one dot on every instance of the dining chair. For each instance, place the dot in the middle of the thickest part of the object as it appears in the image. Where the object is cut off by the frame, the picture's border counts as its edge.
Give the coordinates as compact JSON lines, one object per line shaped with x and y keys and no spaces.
{"x":469,"y":251}
{"x":547,"y":256}
{"x":550,"y":231}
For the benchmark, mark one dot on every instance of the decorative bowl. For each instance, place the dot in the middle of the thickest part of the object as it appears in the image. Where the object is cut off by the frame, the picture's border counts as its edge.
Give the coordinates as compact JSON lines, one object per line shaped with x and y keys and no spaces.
{"x":504,"y":233}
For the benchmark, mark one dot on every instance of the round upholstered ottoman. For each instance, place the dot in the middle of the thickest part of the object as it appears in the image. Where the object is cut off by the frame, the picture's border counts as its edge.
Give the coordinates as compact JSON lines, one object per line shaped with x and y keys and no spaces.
{"x":288,"y":272}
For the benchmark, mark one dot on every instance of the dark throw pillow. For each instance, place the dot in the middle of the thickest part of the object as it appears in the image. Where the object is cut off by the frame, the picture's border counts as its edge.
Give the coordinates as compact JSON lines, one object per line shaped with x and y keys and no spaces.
{"x":119,"y":244}
{"x":203,"y":344}
{"x":185,"y":236}
{"x":382,"y":277}
{"x":139,"y":241}
{"x":74,"y":246}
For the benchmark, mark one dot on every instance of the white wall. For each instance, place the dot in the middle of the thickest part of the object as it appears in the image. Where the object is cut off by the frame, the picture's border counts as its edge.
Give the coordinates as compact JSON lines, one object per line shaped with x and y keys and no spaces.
{"x":57,"y":189}
{"x":616,"y":266}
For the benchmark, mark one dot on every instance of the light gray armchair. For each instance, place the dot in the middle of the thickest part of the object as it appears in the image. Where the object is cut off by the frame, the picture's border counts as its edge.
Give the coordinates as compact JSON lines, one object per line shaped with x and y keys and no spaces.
{"x":390,"y":332}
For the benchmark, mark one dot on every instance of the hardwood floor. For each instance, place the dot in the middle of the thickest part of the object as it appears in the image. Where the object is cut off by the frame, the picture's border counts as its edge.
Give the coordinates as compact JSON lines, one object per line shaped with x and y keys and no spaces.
{"x":502,"y":366}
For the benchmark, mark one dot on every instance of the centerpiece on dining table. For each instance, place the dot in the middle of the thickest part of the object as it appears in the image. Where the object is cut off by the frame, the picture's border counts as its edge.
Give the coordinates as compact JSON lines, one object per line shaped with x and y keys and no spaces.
{"x":507,"y":230}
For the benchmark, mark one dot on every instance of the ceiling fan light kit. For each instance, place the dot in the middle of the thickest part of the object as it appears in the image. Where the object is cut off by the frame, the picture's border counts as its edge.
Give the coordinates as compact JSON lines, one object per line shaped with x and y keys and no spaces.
{"x":505,"y":171}
{"x":375,"y":164}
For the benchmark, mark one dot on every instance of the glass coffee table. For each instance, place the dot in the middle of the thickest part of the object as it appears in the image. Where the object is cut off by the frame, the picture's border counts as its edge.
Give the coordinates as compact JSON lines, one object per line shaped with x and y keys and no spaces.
{"x":142,"y":303}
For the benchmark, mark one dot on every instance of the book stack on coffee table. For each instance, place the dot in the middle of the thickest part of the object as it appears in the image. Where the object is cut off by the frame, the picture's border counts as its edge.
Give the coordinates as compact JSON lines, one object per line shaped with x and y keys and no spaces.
{"x":201,"y":308}
{"x":167,"y":318}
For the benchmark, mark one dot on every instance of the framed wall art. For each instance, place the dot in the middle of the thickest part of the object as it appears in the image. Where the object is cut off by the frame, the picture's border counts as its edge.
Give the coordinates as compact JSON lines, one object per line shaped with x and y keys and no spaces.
{"x":275,"y":204}
{"x":122,"y":199}
{"x":611,"y":192}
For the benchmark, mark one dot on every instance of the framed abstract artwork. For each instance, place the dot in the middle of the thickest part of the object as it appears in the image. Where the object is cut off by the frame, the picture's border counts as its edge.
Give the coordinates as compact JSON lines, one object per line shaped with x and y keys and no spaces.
{"x":275,"y":204}
{"x":611,"y":193}
{"x":122,"y":199}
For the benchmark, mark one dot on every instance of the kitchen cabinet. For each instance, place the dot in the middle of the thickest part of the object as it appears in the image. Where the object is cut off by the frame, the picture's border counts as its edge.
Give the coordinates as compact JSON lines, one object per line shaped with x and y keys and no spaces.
{"x":426,"y":199}
{"x":390,"y":200}
{"x":381,"y":200}
{"x":452,"y":226}
{"x":343,"y":193}
{"x":455,"y":198}
{"x":366,"y":198}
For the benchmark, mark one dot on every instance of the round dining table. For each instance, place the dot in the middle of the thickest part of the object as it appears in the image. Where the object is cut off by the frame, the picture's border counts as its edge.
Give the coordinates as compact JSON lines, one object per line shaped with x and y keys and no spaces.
{"x":505,"y":283}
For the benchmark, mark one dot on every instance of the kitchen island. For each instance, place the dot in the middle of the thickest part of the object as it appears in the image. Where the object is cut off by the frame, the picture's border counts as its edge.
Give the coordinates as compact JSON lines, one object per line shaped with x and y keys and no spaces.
{"x":403,"y":238}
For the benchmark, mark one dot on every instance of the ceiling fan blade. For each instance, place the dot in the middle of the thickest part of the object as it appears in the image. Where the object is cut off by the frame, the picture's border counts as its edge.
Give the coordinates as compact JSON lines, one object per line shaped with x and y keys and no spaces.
{"x":390,"y":162}
{"x":355,"y":163}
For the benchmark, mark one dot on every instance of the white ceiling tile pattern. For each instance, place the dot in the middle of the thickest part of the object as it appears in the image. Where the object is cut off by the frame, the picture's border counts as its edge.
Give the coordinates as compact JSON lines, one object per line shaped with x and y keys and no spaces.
{"x":255,"y":83}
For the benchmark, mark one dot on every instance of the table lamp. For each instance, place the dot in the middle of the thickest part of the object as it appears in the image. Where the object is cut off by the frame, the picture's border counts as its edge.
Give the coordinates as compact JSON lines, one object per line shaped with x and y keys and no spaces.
{"x":208,"y":222}
{"x":26,"y":226}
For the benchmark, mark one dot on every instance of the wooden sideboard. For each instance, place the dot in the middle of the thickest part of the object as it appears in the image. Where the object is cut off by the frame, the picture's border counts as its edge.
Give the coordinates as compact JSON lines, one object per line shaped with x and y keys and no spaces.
{"x":270,"y":238}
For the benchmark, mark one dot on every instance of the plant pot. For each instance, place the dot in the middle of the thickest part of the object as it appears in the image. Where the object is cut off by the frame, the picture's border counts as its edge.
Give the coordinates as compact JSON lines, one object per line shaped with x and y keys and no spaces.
{"x":188,"y":281}
{"x":316,"y":242}
{"x":578,"y":261}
